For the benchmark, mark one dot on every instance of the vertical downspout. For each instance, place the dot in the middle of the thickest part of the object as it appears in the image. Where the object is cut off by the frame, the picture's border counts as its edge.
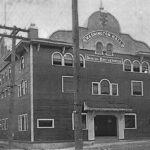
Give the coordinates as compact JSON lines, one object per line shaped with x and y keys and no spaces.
{"x":31,"y":92}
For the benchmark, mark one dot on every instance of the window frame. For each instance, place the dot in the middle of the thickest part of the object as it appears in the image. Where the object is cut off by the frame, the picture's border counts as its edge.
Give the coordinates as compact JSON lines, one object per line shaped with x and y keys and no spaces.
{"x":142,"y":67}
{"x":112,"y":49}
{"x":62,"y":59}
{"x":96,"y":47}
{"x":112,"y":89}
{"x":139,"y":66}
{"x":63,"y":91}
{"x":124,"y":65}
{"x":132,"y":114}
{"x":83,"y":60}
{"x":72,"y":60}
{"x":4,"y":125}
{"x":25,"y":122}
{"x":109,"y":87}
{"x":73,"y":120}
{"x":134,"y":81}
{"x":98,"y":83}
{"x":53,"y":125}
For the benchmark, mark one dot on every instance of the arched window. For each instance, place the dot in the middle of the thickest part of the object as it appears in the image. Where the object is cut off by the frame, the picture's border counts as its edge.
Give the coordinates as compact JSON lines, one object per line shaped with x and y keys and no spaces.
{"x":99,"y":47}
{"x":127,"y":65}
{"x":105,"y":87}
{"x":68,"y":60}
{"x":82,"y":62}
{"x":56,"y":59}
{"x":109,"y":49}
{"x":145,"y":67}
{"x":22,"y":62}
{"x":136,"y":66}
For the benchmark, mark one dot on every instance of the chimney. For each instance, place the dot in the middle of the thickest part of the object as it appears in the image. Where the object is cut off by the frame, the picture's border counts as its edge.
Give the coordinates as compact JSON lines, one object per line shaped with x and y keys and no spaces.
{"x":33,"y":31}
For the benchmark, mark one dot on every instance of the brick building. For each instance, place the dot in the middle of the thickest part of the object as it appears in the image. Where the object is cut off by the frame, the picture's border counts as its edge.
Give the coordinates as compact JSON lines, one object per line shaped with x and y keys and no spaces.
{"x":114,"y":84}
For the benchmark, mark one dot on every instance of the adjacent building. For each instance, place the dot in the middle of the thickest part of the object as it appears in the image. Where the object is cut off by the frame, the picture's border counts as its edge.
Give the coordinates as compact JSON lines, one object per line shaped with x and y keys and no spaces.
{"x":114,"y":85}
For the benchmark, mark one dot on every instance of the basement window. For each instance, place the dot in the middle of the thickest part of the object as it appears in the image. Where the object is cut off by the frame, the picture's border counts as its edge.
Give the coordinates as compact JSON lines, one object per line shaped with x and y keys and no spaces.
{"x":45,"y":123}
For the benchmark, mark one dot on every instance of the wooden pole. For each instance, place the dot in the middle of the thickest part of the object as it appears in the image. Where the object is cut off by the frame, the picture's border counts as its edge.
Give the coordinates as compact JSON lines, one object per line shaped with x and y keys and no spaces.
{"x":77,"y":99}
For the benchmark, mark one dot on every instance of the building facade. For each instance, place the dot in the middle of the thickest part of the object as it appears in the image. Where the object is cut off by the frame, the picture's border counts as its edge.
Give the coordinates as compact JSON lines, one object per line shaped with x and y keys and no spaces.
{"x":114,"y":85}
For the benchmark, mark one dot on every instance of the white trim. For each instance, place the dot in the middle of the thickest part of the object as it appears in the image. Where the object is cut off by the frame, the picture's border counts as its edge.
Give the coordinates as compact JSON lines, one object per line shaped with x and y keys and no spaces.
{"x":72,"y":59}
{"x":83,"y":60}
{"x":73,"y":120}
{"x":45,"y":120}
{"x":31,"y":92}
{"x":133,"y":81}
{"x":25,"y":116}
{"x":124,"y":65}
{"x":63,"y":82}
{"x":62,"y":58}
{"x":133,"y":114}
{"x":112,"y":89}
{"x":112,"y":49}
{"x":98,"y":88}
{"x":142,"y":66}
{"x":96,"y":46}
{"x":109,"y":87}
{"x":139,"y":66}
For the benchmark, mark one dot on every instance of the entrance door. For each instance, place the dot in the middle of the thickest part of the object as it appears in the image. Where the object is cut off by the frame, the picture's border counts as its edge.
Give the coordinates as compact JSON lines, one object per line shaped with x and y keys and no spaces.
{"x":105,"y":125}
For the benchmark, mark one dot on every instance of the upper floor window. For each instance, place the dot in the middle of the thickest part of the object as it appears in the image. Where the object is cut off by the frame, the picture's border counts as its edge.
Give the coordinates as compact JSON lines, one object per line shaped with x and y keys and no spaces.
{"x":105,"y":87}
{"x":22,"y":88}
{"x":22,"y":62}
{"x":57,"y":58}
{"x":127,"y":65}
{"x":114,"y":87}
{"x":136,"y":66}
{"x":99,"y":47}
{"x":9,"y":73}
{"x":82,"y":61}
{"x":137,"y":88}
{"x":95,"y":88}
{"x":145,"y":67}
{"x":109,"y":48}
{"x":68,"y":59}
{"x":4,"y":124}
{"x":130,"y":121}
{"x":23,"y":122}
{"x":67,"y":84}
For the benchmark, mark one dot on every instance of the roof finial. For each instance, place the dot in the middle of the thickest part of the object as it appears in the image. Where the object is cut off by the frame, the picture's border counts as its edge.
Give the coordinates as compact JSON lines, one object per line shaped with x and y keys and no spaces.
{"x":101,"y":6}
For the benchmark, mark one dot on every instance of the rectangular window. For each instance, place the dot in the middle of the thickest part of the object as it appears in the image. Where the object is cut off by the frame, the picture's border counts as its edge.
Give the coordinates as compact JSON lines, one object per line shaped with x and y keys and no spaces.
{"x":84,"y":121}
{"x":137,"y":88}
{"x":45,"y":123}
{"x":23,"y":122}
{"x":114,"y":89}
{"x":67,"y":84}
{"x":4,"y":124}
{"x":130,"y":121}
{"x":95,"y":88}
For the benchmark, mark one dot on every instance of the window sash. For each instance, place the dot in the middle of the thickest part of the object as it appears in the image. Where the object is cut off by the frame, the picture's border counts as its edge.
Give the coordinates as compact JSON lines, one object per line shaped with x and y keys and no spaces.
{"x":130,"y":121}
{"x":45,"y":123}
{"x":67,"y":84}
{"x":23,"y":122}
{"x":137,"y":88}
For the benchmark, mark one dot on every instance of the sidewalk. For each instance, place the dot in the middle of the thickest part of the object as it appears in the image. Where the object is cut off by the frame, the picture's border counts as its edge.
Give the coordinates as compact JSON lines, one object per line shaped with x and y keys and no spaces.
{"x":102,"y":144}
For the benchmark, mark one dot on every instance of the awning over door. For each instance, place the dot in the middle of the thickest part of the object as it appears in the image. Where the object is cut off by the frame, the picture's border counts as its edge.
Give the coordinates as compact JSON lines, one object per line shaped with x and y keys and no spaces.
{"x":106,"y":106}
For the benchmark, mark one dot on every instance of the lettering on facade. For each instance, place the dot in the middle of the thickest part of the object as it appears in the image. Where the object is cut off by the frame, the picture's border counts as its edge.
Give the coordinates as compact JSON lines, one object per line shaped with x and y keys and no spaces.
{"x":111,"y":35}
{"x":104,"y":59}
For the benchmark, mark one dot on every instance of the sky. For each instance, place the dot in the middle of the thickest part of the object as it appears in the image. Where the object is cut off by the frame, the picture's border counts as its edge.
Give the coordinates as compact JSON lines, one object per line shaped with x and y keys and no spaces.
{"x":52,"y":15}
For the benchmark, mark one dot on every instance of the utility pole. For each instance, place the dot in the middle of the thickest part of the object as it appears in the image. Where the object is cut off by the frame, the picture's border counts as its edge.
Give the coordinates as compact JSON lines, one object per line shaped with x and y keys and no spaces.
{"x":11,"y":113}
{"x":77,"y":100}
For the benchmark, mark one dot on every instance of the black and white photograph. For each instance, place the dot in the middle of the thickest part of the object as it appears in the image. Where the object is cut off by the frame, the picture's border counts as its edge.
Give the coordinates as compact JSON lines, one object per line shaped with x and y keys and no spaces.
{"x":74,"y":74}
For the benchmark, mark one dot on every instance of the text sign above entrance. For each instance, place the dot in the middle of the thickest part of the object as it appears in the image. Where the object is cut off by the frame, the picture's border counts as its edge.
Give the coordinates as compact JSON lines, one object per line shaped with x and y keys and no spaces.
{"x":108,"y":34}
{"x":104,"y":59}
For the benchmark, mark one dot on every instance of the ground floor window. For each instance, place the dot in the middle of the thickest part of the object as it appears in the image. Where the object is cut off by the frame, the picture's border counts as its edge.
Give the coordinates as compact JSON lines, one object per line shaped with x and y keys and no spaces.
{"x":4,"y":124}
{"x":84,"y":121}
{"x":45,"y":123}
{"x":130,"y":121}
{"x":23,"y":122}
